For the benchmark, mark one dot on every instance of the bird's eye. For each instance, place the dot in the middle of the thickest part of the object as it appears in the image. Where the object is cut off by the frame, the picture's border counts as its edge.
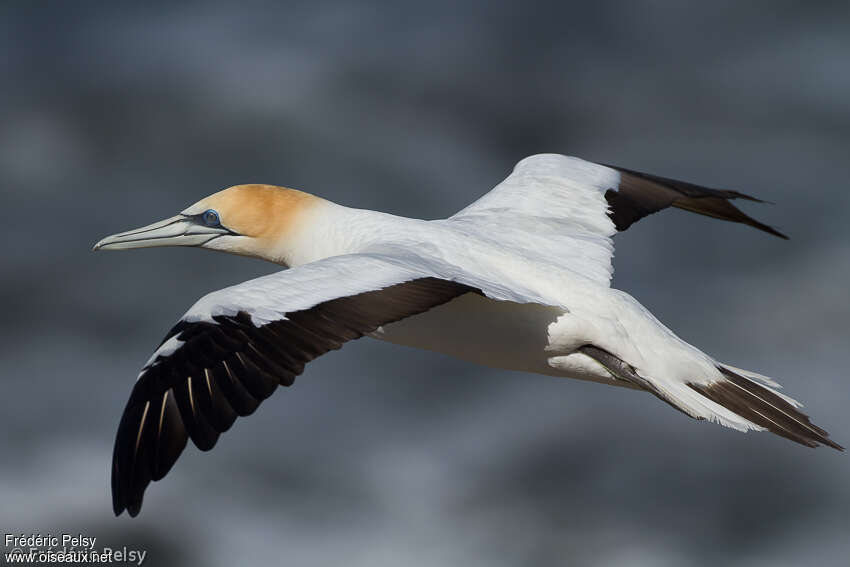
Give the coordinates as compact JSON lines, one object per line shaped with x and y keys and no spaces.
{"x":210,"y":218}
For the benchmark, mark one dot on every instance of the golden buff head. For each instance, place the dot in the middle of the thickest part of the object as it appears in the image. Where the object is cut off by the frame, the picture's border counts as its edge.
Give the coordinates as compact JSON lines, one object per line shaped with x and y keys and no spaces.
{"x":251,"y":220}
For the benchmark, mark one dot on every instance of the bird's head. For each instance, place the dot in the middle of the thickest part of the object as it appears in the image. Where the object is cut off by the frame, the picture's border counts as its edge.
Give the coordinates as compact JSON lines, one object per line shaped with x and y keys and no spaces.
{"x":250,"y":220}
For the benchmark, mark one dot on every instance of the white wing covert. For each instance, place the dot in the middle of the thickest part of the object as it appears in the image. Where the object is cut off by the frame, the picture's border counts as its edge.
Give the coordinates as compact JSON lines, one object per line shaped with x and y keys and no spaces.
{"x":553,"y":206}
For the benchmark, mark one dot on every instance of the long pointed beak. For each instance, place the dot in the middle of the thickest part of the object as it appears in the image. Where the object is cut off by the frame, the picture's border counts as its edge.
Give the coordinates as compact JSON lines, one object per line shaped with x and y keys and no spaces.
{"x":180,"y":230}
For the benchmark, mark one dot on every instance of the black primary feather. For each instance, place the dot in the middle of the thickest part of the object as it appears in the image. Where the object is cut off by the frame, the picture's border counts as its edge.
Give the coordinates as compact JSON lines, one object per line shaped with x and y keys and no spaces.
{"x":224,"y":369}
{"x":641,"y":194}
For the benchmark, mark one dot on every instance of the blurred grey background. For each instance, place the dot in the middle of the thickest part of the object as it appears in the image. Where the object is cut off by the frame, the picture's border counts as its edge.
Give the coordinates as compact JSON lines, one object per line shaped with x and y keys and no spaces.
{"x":113,"y":115}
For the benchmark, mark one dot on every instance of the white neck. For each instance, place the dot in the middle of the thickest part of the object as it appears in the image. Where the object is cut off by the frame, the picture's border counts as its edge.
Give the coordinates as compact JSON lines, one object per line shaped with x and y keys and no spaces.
{"x":328,"y":229}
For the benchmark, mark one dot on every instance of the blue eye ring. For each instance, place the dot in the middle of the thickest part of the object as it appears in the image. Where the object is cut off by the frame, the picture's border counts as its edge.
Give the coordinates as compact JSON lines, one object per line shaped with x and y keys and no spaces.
{"x":211,"y":218}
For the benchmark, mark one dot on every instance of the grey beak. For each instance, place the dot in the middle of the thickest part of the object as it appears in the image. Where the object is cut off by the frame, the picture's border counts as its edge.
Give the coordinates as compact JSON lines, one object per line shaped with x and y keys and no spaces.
{"x":180,"y":230}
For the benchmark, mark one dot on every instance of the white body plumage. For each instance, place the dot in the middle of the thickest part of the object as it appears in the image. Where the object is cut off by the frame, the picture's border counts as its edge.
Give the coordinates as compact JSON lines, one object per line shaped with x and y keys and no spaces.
{"x":539,"y":247}
{"x":517,"y":280}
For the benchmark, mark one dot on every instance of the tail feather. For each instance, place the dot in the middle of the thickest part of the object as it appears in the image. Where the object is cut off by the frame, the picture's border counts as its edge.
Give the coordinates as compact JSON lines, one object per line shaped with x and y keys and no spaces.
{"x":765,"y":380}
{"x":765,"y":408}
{"x":735,"y":400}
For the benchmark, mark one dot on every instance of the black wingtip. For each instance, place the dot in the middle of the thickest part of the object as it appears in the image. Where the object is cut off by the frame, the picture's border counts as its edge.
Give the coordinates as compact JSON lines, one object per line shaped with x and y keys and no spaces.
{"x":134,"y":509}
{"x":769,"y":229}
{"x":744,"y":196}
{"x":117,"y":496}
{"x":640,"y":194}
{"x":756,"y":224}
{"x":722,"y":209}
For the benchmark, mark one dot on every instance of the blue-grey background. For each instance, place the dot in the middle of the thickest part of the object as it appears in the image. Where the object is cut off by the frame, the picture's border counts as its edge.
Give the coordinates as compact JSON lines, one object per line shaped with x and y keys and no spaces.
{"x":113,"y":115}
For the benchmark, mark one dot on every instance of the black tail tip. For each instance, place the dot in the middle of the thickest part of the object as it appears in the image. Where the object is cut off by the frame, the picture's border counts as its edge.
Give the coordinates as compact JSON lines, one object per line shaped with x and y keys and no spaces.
{"x":765,"y":408}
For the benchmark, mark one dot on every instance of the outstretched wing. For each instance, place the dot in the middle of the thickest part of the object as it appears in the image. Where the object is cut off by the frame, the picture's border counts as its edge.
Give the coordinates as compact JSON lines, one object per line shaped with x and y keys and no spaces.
{"x":566,"y":208}
{"x":234,"y":347}
{"x":640,"y":194}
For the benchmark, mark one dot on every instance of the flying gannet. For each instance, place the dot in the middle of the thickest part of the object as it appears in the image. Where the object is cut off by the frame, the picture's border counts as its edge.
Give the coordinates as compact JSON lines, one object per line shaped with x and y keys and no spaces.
{"x":518,"y":280}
